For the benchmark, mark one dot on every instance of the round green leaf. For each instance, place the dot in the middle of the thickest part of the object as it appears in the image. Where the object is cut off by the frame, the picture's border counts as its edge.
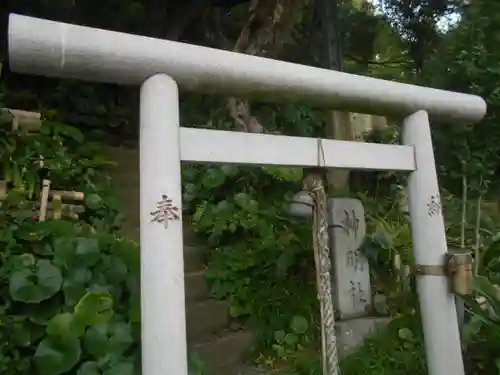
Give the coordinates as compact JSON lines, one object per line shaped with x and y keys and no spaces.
{"x":77,"y":275}
{"x":41,"y":313}
{"x":299,"y":324}
{"x":129,"y":252}
{"x":291,"y":339}
{"x":87,"y":251}
{"x":36,"y":283}
{"x":213,"y":177}
{"x":89,"y":368}
{"x":117,"y":271}
{"x":243,"y":200}
{"x":56,"y":355}
{"x":64,"y":251}
{"x":25,"y":260}
{"x":229,"y":169}
{"x":93,"y":201}
{"x":43,"y":249}
{"x":76,"y":252}
{"x":191,"y":188}
{"x":65,"y":325}
{"x":57,"y":228}
{"x":87,"y":246}
{"x":279,"y":335}
{"x":20,"y":334}
{"x":32,"y":232}
{"x":121,"y":368}
{"x":405,"y":334}
{"x":94,"y":308}
{"x":73,"y":292}
{"x":75,"y":284}
{"x":104,"y":339}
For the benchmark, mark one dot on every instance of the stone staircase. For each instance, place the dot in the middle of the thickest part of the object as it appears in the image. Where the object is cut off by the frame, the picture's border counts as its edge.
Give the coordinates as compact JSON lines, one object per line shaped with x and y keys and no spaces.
{"x":221,"y":345}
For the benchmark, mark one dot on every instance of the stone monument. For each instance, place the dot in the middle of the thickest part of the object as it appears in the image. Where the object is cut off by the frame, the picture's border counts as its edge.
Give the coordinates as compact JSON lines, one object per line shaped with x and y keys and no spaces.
{"x":351,"y":271}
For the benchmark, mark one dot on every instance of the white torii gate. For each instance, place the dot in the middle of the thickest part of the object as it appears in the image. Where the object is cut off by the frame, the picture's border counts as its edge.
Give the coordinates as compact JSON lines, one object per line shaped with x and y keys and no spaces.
{"x":56,"y":49}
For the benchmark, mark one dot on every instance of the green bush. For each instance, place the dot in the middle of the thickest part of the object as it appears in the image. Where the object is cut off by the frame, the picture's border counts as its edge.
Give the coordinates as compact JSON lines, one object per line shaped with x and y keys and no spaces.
{"x":70,"y":299}
{"x":262,"y":259}
{"x":482,"y":330}
{"x":69,"y":289}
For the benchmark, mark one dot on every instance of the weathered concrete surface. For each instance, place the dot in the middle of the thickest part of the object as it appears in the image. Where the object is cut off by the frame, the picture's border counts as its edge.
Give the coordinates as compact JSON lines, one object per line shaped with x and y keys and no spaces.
{"x":352,"y":333}
{"x":223,"y":353}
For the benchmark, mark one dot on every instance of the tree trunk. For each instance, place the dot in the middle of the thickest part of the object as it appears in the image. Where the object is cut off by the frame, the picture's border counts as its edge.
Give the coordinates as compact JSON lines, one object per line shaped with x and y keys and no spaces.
{"x":268,"y":27}
{"x":338,"y":123}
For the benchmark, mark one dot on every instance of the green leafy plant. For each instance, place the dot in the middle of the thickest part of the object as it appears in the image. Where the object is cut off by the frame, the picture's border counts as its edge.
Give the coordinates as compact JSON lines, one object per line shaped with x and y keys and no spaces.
{"x":397,"y":350}
{"x":288,"y":343}
{"x":69,"y":289}
{"x":482,"y":330}
{"x":261,"y":258}
{"x":70,"y":296}
{"x":196,"y":365}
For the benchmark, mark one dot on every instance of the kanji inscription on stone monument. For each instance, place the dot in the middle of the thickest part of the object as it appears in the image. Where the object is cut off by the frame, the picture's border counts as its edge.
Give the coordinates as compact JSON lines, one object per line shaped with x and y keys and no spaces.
{"x":351,"y":272}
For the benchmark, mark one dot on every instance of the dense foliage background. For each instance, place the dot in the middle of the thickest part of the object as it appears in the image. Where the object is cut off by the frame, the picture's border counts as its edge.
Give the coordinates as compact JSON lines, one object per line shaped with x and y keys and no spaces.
{"x":69,"y":289}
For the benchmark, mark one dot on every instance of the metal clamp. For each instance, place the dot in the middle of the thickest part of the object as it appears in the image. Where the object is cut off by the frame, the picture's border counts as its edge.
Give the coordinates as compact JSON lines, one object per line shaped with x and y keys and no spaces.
{"x":423,"y":269}
{"x":457,"y":267}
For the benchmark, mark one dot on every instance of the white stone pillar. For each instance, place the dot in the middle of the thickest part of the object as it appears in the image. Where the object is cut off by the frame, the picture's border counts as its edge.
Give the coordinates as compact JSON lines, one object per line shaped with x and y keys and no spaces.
{"x":439,"y":316}
{"x":162,"y":259}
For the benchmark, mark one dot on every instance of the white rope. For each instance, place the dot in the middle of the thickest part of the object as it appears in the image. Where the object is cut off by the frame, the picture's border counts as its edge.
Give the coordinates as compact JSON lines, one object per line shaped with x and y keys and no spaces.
{"x":323,"y":273}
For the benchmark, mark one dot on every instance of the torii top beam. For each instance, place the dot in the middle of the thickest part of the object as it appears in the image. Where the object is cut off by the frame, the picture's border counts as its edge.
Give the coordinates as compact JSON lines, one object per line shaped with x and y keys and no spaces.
{"x":56,"y":49}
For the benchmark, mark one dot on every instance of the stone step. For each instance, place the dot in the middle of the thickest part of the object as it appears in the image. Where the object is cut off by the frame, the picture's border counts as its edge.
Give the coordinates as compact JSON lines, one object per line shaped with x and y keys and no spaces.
{"x":129,"y":200}
{"x":195,"y":258}
{"x":125,"y":189}
{"x":124,"y":166}
{"x":128,"y":179}
{"x":203,"y":319}
{"x":196,"y":287}
{"x":223,"y":353}
{"x":352,"y":333}
{"x":123,"y":156}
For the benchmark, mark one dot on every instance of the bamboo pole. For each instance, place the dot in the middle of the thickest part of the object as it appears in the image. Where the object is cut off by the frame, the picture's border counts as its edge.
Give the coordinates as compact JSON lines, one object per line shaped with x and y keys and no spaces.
{"x":3,"y":189}
{"x":44,"y":200}
{"x":22,"y":120}
{"x":70,"y":195}
{"x":57,"y":212}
